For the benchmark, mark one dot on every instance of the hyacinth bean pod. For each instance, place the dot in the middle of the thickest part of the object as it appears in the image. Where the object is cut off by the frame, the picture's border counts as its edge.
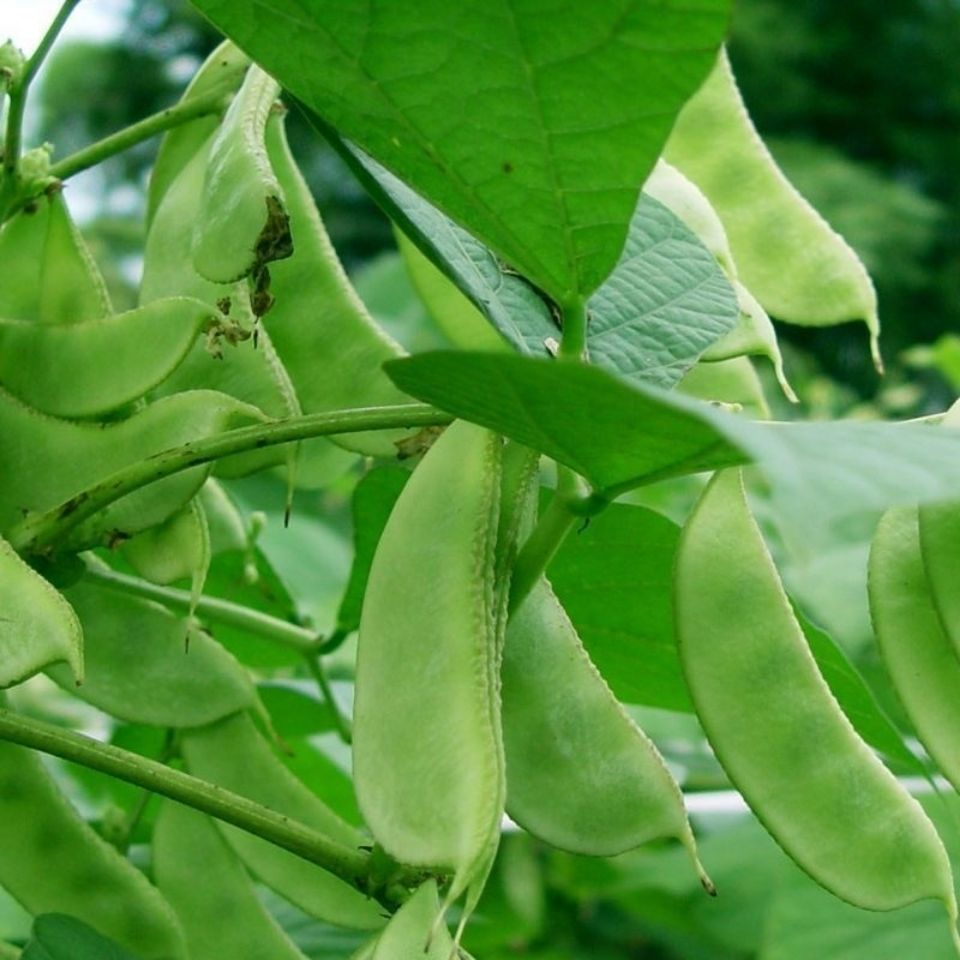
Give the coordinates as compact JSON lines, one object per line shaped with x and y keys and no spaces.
{"x":211,"y":893}
{"x":87,"y":369}
{"x":139,"y":670}
{"x":778,"y":731}
{"x":233,"y":755}
{"x":242,"y":223}
{"x":49,"y":275}
{"x":580,"y":774}
{"x":789,"y":258}
{"x":921,"y":660}
{"x":426,"y":669}
{"x":38,"y":626}
{"x":54,"y":862}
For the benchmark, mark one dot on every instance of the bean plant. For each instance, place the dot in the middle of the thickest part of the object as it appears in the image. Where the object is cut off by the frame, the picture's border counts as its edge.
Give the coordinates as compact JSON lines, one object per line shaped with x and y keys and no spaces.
{"x":598,"y":239}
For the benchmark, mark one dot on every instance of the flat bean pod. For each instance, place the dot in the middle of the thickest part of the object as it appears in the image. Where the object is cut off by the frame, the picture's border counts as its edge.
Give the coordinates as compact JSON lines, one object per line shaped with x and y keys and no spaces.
{"x":232,"y":754}
{"x":87,"y":369}
{"x":138,"y":669}
{"x":410,"y":933}
{"x":921,"y":660}
{"x":221,"y":73}
{"x":325,"y":337}
{"x":44,"y":460}
{"x":427,"y":663}
{"x":799,"y":269}
{"x":211,"y":893}
{"x":173,"y":550}
{"x":778,"y":731}
{"x":242,"y":223}
{"x":580,"y":773}
{"x":49,"y":275}
{"x":54,"y":862}
{"x":38,"y":626}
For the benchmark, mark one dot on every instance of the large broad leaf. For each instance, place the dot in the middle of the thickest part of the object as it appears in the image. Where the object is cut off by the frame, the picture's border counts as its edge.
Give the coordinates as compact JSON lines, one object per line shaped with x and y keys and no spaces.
{"x":665,"y":303}
{"x":57,"y":936}
{"x":531,"y":122}
{"x":824,"y":477}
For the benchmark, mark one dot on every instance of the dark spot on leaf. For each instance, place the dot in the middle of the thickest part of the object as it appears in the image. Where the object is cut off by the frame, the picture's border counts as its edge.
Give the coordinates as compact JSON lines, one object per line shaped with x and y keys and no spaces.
{"x":507,"y":166}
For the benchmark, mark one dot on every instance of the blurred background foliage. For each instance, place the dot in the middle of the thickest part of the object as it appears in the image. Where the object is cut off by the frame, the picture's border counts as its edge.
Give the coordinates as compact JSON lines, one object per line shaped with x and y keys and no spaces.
{"x":862,"y":109}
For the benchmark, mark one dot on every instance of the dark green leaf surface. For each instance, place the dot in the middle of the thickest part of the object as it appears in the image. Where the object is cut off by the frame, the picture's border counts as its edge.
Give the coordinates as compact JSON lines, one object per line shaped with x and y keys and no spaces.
{"x":614,"y":578}
{"x":531,"y":122}
{"x":665,"y":303}
{"x":59,"y":937}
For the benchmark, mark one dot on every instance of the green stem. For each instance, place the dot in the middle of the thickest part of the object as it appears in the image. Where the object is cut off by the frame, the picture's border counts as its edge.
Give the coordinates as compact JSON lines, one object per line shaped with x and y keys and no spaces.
{"x":301,"y":639}
{"x":39,"y":532}
{"x":18,"y":90}
{"x":567,"y":507}
{"x":573,"y":343}
{"x":319,"y":674}
{"x":351,"y":865}
{"x":136,"y":133}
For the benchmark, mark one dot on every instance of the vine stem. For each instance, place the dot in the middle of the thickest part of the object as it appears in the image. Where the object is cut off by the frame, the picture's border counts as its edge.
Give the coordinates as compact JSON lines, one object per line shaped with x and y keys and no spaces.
{"x":300,"y":639}
{"x":18,"y":89}
{"x":573,"y":342}
{"x":39,"y":532}
{"x":319,"y":674}
{"x":137,"y":132}
{"x":351,"y":865}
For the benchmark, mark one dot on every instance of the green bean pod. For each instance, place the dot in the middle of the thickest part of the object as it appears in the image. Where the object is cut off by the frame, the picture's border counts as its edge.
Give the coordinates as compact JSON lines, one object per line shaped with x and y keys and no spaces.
{"x":581,"y":775}
{"x":221,"y":73}
{"x":778,"y":731}
{"x":44,"y":461}
{"x":331,"y":347}
{"x":54,"y":862}
{"x":797,"y":267}
{"x":427,"y":667}
{"x":412,"y":931}
{"x":921,"y":660}
{"x":37,"y":627}
{"x":86,"y":369}
{"x":211,"y":893}
{"x":733,"y":381}
{"x":232,"y":754}
{"x":173,"y":550}
{"x":242,"y":223}
{"x":138,"y":669}
{"x":49,"y":275}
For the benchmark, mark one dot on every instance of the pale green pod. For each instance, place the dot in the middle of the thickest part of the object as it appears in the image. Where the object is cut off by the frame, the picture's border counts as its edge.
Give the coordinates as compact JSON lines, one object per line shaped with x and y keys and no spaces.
{"x":331,"y":347}
{"x":427,"y":665}
{"x":139,"y":669}
{"x":53,"y":862}
{"x":752,"y":335}
{"x":87,"y":369}
{"x":221,"y":73}
{"x":233,"y":755}
{"x":732,"y":381}
{"x":412,"y":933}
{"x":225,"y":522}
{"x":241,"y":224}
{"x":173,"y":550}
{"x":211,"y":893}
{"x":799,"y":269}
{"x":921,"y":661}
{"x":45,"y":461}
{"x":776,"y":728}
{"x":581,"y":775}
{"x":37,"y":625}
{"x":49,"y":275}
{"x":940,"y":545}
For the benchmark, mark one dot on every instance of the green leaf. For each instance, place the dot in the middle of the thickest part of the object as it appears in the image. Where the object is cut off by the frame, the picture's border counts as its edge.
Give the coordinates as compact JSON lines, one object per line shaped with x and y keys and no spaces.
{"x":57,"y":936}
{"x":614,"y":578}
{"x":666,"y":302}
{"x":296,"y":709}
{"x":487,"y":110}
{"x":373,"y":499}
{"x":615,"y":434}
{"x":37,"y":626}
{"x":825,"y":478}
